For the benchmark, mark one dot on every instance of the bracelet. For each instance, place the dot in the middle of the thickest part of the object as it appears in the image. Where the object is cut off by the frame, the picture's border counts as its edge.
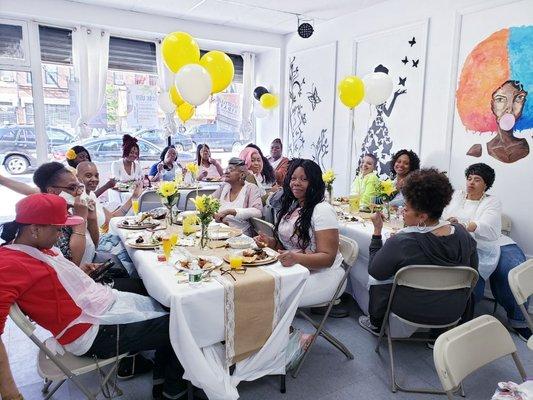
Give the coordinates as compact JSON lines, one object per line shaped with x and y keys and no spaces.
{"x":78,"y":233}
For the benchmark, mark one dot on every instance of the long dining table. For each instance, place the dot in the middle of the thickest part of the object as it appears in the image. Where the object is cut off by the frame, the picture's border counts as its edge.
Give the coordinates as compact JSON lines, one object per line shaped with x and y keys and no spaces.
{"x":199,"y":318}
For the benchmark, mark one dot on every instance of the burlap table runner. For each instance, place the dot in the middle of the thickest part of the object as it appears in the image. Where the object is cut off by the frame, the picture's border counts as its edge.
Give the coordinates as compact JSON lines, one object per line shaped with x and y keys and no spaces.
{"x":249,"y":307}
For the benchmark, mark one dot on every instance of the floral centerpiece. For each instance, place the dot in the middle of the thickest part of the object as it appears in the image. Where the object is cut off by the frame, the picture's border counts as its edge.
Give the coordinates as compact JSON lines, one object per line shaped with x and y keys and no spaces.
{"x":207,"y":207}
{"x":193,"y":169}
{"x":329,"y":177}
{"x":386,"y":190}
{"x":170,"y":195}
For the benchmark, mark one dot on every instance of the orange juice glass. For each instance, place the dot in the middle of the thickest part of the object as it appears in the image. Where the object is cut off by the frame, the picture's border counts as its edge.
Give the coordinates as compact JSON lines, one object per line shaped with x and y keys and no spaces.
{"x":167,"y":248}
{"x":135,"y":206}
{"x":235,"y":261}
{"x":174,"y":239}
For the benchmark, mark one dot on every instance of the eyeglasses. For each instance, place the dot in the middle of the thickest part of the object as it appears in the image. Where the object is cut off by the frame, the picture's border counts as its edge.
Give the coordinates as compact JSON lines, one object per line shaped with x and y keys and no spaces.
{"x":72,"y":188}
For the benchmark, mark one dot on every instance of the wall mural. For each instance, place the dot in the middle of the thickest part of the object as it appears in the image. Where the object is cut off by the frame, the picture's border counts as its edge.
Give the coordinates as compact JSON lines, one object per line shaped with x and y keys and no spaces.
{"x":492,"y":95}
{"x":394,"y":124}
{"x":311,"y":92}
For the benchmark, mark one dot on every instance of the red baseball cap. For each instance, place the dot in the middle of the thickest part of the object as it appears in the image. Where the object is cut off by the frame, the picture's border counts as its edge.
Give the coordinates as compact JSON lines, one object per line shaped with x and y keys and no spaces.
{"x":45,"y":209}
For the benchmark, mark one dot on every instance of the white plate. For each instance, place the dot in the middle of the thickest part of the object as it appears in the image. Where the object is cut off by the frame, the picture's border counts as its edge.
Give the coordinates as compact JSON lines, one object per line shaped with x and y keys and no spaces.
{"x":240,"y":242}
{"x":215,"y":235}
{"x":216,"y":261}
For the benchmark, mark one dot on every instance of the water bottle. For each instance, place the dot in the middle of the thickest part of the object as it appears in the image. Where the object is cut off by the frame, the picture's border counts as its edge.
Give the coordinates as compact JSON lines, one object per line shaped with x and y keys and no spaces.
{"x":195,"y":274}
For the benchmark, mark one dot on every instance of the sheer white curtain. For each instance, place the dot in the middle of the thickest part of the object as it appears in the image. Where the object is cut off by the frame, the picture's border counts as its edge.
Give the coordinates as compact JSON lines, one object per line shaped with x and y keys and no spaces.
{"x":248,"y":78}
{"x":90,"y":55}
{"x":166,"y":81}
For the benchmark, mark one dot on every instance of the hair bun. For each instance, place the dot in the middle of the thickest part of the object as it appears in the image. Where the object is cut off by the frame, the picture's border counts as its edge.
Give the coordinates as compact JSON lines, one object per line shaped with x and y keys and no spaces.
{"x":128,"y":139}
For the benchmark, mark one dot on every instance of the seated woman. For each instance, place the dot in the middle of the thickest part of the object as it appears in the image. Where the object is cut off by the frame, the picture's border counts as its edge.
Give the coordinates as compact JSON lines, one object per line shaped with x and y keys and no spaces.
{"x":425,"y":240}
{"x":209,"y":167}
{"x":307,"y":232}
{"x":78,"y":154}
{"x":481,"y":215}
{"x":166,"y":169}
{"x":277,"y":161}
{"x":403,"y":163}
{"x":366,"y":181}
{"x":239,"y":200}
{"x":259,"y":172}
{"x":127,"y":169}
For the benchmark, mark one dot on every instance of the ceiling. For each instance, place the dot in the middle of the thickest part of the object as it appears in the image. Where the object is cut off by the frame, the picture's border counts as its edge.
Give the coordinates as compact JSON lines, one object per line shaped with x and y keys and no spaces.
{"x":276,"y":16}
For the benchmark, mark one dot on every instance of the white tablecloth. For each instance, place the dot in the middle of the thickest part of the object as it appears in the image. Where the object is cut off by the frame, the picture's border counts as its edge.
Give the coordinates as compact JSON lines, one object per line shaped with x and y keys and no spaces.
{"x":197,"y":323}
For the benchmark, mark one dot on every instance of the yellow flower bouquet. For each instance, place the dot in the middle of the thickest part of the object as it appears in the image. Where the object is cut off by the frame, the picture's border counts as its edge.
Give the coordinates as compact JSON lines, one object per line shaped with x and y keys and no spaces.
{"x":386,"y":190}
{"x":170,"y":195}
{"x":329,"y":177}
{"x":207,"y":207}
{"x":193,"y":168}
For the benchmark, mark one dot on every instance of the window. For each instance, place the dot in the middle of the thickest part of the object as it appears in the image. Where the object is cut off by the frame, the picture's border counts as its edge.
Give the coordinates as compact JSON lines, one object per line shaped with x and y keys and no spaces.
{"x":13,"y":43}
{"x":50,"y":75}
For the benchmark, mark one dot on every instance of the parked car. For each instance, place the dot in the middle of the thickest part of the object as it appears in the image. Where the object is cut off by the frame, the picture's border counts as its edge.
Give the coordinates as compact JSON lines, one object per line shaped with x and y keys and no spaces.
{"x":156,"y":136}
{"x":217,"y":138}
{"x":109,"y":148}
{"x":18,"y":149}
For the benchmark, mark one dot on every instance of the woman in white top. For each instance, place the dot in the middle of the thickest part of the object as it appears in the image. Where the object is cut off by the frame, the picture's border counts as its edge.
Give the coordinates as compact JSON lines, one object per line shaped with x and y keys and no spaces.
{"x":481,"y":215}
{"x":128,"y":168}
{"x":307,"y":232}
{"x":209,"y":167}
{"x":239,"y":200}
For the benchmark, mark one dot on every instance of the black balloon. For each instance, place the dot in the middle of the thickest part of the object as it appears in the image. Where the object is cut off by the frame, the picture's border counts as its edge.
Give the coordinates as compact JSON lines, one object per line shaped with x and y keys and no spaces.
{"x":259,"y":91}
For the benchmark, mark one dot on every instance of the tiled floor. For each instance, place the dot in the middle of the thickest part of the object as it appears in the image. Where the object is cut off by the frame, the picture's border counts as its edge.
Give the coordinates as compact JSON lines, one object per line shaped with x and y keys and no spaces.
{"x":327,"y":374}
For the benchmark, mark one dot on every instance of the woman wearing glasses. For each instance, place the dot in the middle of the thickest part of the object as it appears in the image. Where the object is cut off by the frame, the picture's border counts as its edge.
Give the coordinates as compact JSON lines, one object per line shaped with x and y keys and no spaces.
{"x":239,"y":200}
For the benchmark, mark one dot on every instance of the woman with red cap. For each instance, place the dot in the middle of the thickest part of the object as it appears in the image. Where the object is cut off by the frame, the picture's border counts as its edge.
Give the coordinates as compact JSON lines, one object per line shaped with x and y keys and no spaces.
{"x":85,"y":318}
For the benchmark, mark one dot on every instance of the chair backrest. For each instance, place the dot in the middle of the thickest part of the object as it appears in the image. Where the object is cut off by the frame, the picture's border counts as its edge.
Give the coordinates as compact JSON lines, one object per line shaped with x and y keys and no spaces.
{"x":148,"y":200}
{"x":21,"y":320}
{"x":261,"y":226}
{"x":521,"y":281}
{"x":349,"y":249}
{"x":435,"y":277}
{"x":506,"y":225}
{"x":189,"y":205}
{"x":468,"y":347}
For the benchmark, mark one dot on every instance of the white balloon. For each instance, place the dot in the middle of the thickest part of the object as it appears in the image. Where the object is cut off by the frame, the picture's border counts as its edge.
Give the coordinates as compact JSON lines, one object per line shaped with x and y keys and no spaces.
{"x":378,"y":87}
{"x":165,"y":103}
{"x":259,"y":110}
{"x":167,"y":79}
{"x":194,"y":84}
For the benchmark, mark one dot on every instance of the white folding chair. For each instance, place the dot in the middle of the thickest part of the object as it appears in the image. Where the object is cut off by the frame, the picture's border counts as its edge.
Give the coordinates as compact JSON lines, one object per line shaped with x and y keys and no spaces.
{"x":58,"y":368}
{"x":470,"y":346}
{"x":521,"y":283}
{"x":430,"y":278}
{"x":349,"y":250}
{"x":262,"y":226}
{"x":148,"y":200}
{"x":189,"y":205}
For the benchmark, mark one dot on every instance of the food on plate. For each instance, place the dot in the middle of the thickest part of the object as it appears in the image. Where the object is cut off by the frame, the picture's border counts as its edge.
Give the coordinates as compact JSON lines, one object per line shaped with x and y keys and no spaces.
{"x":251,"y":255}
{"x":125,"y":222}
{"x":203,"y":263}
{"x":139,"y":240}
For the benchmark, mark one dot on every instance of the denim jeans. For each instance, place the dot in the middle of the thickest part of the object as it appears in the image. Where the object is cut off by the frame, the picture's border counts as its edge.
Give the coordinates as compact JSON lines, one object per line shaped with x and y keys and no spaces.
{"x":510,"y":257}
{"x":140,"y":336}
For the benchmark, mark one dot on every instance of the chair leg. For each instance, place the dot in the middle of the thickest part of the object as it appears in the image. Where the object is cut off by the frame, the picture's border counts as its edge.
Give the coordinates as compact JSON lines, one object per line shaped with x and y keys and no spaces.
{"x":54,"y":389}
{"x":46,"y":386}
{"x":282,"y":384}
{"x":391,"y":357}
{"x":519,"y":365}
{"x":495,"y":307}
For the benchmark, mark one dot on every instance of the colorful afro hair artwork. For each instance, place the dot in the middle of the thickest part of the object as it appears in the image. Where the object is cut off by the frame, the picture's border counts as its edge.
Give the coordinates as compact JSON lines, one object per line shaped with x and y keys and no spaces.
{"x":506,"y":55}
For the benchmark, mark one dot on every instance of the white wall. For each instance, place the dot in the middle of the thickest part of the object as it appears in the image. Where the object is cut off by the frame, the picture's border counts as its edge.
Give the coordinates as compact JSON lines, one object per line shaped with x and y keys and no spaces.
{"x":440,"y":76}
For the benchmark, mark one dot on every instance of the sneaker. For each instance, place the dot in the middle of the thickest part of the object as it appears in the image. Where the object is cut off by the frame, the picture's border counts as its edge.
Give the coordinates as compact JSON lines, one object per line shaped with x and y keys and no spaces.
{"x":523,"y":333}
{"x":365,"y":323}
{"x":337,"y":311}
{"x":134,"y":365}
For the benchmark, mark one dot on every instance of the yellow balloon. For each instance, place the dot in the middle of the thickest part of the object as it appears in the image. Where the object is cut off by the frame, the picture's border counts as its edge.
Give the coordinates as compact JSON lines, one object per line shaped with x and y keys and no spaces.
{"x":175,"y":96}
{"x":185,"y":111}
{"x":220,"y":67}
{"x":269,"y":101}
{"x":179,"y":48}
{"x":351,"y":91}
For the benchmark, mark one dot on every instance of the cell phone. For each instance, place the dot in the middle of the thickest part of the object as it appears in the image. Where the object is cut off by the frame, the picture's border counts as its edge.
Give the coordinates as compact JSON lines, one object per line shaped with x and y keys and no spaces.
{"x":99,"y":273}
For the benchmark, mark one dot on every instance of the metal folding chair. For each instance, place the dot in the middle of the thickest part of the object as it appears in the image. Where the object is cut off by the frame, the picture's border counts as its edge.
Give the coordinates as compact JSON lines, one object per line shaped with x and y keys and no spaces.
{"x":189,"y":205}
{"x":349,"y":250}
{"x":58,"y":368}
{"x":470,"y":346}
{"x":262,"y":226}
{"x":430,"y":278}
{"x":521,"y":283}
{"x":148,"y":200}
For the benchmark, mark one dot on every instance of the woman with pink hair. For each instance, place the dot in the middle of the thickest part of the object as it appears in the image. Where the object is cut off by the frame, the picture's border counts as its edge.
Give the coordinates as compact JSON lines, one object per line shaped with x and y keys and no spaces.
{"x":260,"y":170}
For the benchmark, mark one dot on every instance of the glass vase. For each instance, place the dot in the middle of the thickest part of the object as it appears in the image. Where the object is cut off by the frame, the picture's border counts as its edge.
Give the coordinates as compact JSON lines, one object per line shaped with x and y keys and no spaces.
{"x":204,"y":236}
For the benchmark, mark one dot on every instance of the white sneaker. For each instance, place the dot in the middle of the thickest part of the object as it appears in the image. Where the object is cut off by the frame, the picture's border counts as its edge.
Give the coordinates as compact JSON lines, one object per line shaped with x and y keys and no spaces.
{"x":365,"y":323}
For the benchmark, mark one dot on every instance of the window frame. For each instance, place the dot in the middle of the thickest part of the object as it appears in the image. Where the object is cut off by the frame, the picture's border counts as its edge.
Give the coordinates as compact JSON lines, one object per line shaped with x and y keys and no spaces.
{"x":14,"y":63}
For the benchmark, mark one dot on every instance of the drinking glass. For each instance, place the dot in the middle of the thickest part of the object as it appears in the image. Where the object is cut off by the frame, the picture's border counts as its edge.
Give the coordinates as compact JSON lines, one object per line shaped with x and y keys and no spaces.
{"x":174,"y":239}
{"x":353,"y":201}
{"x":167,"y":248}
{"x":135,"y":206}
{"x":235,"y":260}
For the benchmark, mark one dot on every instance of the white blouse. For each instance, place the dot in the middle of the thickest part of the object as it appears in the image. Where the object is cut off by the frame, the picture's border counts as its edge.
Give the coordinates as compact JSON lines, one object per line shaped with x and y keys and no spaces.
{"x":323,"y":218}
{"x":119,"y":173}
{"x":212,"y":171}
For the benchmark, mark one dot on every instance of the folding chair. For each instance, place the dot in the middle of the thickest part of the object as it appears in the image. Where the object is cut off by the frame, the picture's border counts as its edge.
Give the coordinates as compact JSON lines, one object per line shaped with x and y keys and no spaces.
{"x":148,"y":200}
{"x":54,"y":367}
{"x":261,"y":226}
{"x":192,"y":195}
{"x":430,"y":278}
{"x":349,"y":250}
{"x":470,"y":346}
{"x":521,"y":283}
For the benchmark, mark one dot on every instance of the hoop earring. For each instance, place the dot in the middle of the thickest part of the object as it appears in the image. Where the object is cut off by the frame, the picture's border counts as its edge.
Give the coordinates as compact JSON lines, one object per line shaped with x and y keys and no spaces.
{"x":421,"y":228}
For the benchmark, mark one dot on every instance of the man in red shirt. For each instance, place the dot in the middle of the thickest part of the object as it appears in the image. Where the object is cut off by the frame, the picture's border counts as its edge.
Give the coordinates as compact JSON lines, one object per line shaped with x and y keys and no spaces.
{"x":85,"y":318}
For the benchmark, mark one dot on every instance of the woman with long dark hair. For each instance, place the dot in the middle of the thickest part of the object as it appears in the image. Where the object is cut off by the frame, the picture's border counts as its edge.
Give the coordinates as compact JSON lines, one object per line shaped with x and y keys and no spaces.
{"x":128,"y":168}
{"x":209,"y":167}
{"x":264,"y":173}
{"x":307,"y":231}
